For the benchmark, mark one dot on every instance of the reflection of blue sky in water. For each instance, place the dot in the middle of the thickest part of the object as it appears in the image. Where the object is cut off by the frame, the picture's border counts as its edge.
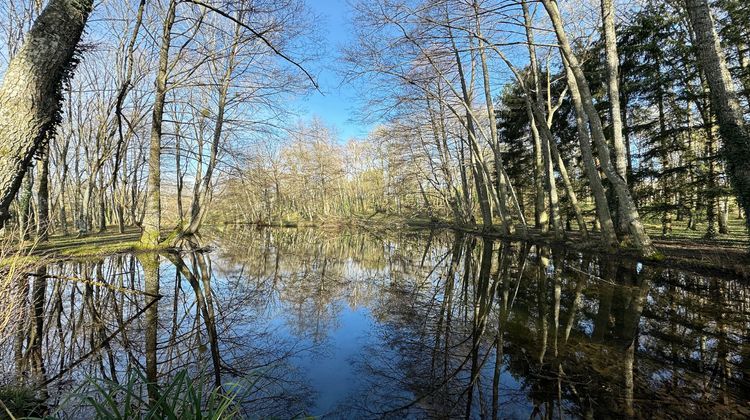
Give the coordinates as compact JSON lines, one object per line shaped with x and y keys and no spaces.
{"x":334,"y":346}
{"x":354,"y":325}
{"x":332,"y":374}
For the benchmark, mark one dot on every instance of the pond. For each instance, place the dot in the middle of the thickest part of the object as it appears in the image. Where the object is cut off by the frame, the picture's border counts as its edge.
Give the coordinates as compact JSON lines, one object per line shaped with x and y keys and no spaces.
{"x":418,"y":324}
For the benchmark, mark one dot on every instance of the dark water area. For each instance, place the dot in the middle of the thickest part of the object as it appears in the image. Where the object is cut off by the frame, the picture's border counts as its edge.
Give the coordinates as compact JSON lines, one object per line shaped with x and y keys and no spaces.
{"x":411,"y":324}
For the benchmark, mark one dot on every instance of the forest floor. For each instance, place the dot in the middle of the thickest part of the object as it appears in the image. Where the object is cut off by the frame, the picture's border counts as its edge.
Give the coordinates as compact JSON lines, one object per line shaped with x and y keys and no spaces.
{"x":59,"y":247}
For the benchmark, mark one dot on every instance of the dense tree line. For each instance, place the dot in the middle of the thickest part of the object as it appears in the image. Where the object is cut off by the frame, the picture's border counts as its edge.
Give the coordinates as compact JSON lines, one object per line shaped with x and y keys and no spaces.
{"x":610,"y":118}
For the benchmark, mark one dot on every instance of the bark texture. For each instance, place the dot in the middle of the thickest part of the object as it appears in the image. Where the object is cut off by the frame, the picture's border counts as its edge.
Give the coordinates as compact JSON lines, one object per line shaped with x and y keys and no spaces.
{"x":724,"y":103}
{"x":627,"y":206}
{"x":30,"y":95}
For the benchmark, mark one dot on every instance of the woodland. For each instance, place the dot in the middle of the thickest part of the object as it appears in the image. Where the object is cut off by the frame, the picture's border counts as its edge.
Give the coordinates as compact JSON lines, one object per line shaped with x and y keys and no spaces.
{"x":612,"y":121}
{"x":590,"y":155}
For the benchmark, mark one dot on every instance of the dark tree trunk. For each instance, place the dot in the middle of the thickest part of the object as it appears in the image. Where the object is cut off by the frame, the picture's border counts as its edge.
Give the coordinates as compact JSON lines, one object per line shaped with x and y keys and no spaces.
{"x":30,"y":94}
{"x":43,"y":198}
{"x":724,"y":102}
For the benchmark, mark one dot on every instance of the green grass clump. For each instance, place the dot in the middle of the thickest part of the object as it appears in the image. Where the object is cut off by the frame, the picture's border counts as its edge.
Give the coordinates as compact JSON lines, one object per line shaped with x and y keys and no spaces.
{"x":98,"y":250}
{"x":18,"y":401}
{"x":181,"y":397}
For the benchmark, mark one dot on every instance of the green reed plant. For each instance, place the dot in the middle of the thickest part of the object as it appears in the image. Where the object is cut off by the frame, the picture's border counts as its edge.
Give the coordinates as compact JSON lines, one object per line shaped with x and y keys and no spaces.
{"x":181,"y":397}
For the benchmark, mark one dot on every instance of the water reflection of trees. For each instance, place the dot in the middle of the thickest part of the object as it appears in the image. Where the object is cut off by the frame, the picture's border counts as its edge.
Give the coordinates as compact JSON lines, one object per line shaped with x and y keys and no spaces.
{"x":159,"y":315}
{"x":465,"y":327}
{"x":507,"y":330}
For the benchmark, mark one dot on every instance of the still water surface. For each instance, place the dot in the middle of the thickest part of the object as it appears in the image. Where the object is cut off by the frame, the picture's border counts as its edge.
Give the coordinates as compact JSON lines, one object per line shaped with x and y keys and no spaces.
{"x":412,"y":324}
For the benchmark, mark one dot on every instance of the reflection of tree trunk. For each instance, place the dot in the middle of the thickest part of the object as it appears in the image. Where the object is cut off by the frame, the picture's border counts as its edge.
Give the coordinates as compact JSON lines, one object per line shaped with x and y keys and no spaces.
{"x":482,"y":308}
{"x":580,"y":284}
{"x":20,"y":333}
{"x":150,"y":264}
{"x":606,"y":291}
{"x":37,"y":335}
{"x":204,"y":300}
{"x":556,"y":309}
{"x":209,"y":315}
{"x":631,"y":332}
{"x":502,"y":318}
{"x":499,"y":348}
{"x":541,"y":278}
{"x":724,"y":367}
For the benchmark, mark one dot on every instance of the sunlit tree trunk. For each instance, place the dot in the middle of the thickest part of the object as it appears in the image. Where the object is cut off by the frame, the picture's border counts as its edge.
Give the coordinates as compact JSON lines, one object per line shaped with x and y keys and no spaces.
{"x":501,"y":185}
{"x":541,"y":217}
{"x":613,"y":88}
{"x":479,"y":178}
{"x":638,"y":234}
{"x":119,"y":196}
{"x":202,"y":198}
{"x":151,"y":235}
{"x":606,"y":225}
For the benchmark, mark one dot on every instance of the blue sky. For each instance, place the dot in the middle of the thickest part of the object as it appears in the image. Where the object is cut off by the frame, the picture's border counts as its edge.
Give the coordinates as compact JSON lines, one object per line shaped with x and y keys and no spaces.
{"x":337,"y":104}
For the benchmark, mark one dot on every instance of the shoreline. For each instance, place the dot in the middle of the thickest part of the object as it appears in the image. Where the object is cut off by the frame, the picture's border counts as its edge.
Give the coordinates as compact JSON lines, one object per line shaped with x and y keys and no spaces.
{"x":730,"y":258}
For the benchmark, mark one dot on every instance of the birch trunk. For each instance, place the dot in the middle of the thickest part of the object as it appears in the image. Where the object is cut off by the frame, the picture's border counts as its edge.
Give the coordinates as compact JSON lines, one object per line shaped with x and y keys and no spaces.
{"x":613,"y":88}
{"x":541,"y":217}
{"x":603,"y":216}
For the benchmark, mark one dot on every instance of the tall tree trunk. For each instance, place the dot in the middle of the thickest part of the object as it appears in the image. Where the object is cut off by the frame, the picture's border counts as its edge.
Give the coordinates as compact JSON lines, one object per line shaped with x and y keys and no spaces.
{"x":101,"y":204}
{"x":43,"y":197}
{"x":501,"y":185}
{"x":478,"y":172}
{"x":551,"y":185}
{"x":199,"y":206}
{"x":31,"y":91}
{"x":603,"y":216}
{"x":570,"y":191}
{"x":666,"y":218}
{"x":541,"y":217}
{"x":180,"y":176}
{"x":118,"y":196}
{"x":613,"y":88}
{"x":638,"y":234}
{"x":152,"y":216}
{"x":724,"y":102}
